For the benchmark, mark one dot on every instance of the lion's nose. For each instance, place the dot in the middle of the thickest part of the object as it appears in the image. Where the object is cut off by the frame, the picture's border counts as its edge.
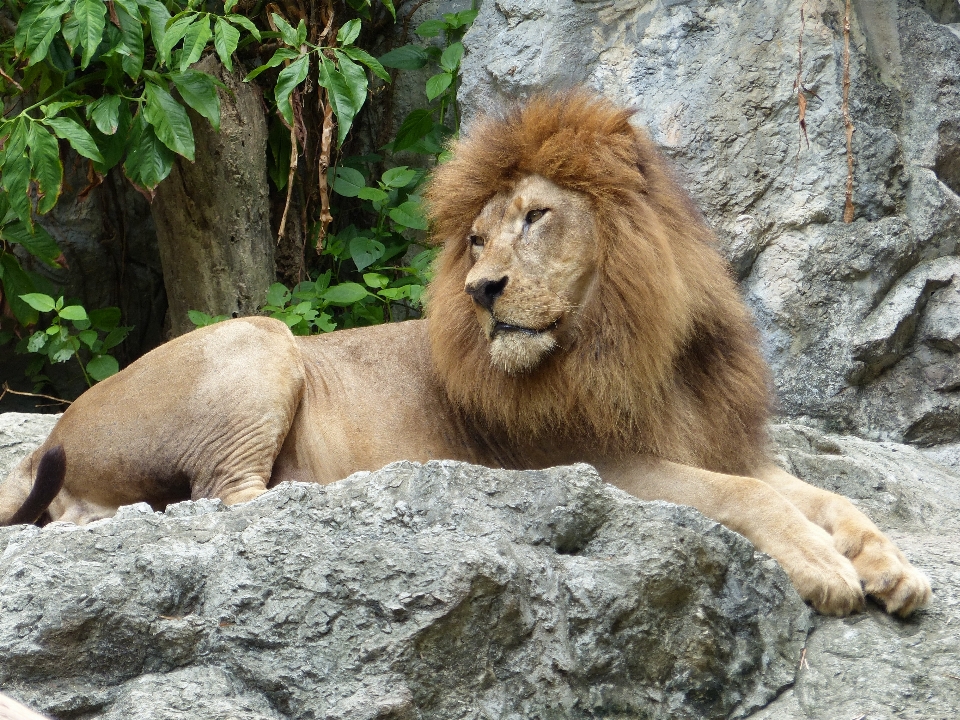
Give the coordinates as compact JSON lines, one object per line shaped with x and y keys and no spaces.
{"x":485,"y":292}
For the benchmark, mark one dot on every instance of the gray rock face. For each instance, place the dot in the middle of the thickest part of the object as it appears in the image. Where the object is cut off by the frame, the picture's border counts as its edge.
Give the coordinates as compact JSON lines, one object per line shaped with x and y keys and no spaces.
{"x":852,"y":314}
{"x":450,"y":591}
{"x":443,"y":591}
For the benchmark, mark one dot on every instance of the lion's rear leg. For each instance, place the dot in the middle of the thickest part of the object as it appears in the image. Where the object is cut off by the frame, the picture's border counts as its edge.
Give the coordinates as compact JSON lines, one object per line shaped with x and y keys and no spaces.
{"x":884,"y":571}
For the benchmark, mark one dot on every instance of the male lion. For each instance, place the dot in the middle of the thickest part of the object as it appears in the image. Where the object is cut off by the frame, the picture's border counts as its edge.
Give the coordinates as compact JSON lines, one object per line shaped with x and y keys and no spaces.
{"x":579,"y":313}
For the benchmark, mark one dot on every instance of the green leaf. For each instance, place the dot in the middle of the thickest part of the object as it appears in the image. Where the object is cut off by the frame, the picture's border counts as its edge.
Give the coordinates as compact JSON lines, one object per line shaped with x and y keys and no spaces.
{"x":450,"y":59}
{"x":345,"y":293}
{"x":348,"y":32}
{"x":278,"y":57}
{"x":348,"y":182}
{"x":16,"y":142}
{"x":388,"y":4}
{"x":291,"y":76}
{"x":102,"y":366}
{"x":75,"y":134}
{"x":414,"y":127}
{"x":159,"y":17}
{"x":148,"y":160}
{"x":73,"y":312}
{"x":15,"y":283}
{"x":81,"y":324}
{"x":91,"y":16}
{"x":88,"y":338}
{"x":409,"y":214}
{"x":105,"y":318}
{"x":174,"y":34}
{"x":46,"y":167}
{"x":244,"y":23}
{"x":56,"y":108}
{"x":62,"y":350}
{"x":37,"y":341}
{"x":225,"y":39}
{"x":169,"y":120}
{"x":60,"y":56}
{"x":131,"y":31}
{"x":287,"y":33}
{"x":105,"y":113}
{"x":437,"y":84}
{"x":119,"y":334}
{"x":38,"y":243}
{"x":365,"y":251}
{"x":194,"y":41}
{"x":464,"y":17}
{"x":431,"y":28}
{"x":367,"y":59}
{"x":340,"y":94}
{"x":399,"y":177}
{"x":407,"y":57}
{"x":113,"y":147}
{"x":43,"y":47}
{"x":71,"y":32}
{"x":278,"y":295}
{"x":16,"y":181}
{"x":395,"y":293}
{"x":39,"y":301}
{"x":301,"y":33}
{"x":376,"y":280}
{"x":373,"y":194}
{"x":199,"y":91}
{"x":34,"y":24}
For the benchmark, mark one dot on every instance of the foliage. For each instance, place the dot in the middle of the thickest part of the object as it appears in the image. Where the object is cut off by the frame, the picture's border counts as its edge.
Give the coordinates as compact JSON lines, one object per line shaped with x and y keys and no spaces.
{"x":370,"y":276}
{"x":113,"y":80}
{"x":91,"y":336}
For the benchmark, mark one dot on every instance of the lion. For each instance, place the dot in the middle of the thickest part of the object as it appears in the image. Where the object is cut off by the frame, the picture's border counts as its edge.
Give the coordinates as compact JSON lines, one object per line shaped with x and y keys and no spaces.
{"x":580,"y":312}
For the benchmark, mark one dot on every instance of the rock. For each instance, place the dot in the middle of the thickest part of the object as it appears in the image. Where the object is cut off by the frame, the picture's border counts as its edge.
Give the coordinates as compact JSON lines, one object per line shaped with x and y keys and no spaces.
{"x":444,"y":590}
{"x":856,"y":318}
{"x":20,"y":433}
{"x":455,"y":591}
{"x":871,"y":665}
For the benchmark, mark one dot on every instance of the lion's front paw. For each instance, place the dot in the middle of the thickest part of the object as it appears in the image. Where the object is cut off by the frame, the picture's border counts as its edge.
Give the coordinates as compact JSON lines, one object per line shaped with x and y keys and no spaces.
{"x":830,"y":584}
{"x":822,"y":576}
{"x":884,"y":571}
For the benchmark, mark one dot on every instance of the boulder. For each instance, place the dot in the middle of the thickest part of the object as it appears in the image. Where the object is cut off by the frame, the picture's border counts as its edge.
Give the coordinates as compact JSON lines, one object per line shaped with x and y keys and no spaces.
{"x":451,"y":591}
{"x":444,"y":590}
{"x":859,"y":319}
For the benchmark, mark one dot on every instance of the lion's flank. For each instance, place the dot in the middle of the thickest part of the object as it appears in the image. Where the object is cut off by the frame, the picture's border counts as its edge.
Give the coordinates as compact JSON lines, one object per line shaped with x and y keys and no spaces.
{"x":665,"y":360}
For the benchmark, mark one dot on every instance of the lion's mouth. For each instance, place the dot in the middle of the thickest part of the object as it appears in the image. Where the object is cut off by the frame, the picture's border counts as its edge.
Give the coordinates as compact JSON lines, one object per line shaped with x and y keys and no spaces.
{"x":502,"y":327}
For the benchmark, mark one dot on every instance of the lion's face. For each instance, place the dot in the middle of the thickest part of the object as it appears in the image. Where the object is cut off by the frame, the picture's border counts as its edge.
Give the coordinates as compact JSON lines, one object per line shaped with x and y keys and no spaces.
{"x":534,"y":256}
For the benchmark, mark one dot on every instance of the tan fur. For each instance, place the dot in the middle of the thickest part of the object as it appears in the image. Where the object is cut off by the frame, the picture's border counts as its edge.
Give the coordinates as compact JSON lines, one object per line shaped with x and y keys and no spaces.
{"x":579,"y":312}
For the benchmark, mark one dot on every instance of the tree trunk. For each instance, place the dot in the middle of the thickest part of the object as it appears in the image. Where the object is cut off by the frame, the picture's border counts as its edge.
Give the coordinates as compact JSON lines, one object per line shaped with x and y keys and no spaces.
{"x":212,"y":216}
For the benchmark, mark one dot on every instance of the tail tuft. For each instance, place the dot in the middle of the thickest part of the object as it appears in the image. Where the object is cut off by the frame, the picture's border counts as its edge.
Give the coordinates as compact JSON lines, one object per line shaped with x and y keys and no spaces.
{"x":51,"y":472}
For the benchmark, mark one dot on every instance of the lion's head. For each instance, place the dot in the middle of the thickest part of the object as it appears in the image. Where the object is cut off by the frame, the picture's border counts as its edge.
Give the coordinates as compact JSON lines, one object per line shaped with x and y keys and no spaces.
{"x":578,"y":293}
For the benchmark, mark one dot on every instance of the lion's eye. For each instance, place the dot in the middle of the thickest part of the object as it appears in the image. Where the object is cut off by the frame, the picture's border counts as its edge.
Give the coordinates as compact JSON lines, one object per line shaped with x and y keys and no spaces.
{"x":476,"y":240}
{"x":535,"y":215}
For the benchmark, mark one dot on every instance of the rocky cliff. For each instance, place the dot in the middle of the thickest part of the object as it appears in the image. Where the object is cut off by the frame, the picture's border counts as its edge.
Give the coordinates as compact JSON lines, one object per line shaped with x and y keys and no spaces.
{"x":452,"y":591}
{"x":861,"y":320}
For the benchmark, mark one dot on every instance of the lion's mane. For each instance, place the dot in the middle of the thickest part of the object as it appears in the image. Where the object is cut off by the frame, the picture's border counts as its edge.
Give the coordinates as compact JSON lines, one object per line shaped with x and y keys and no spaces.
{"x":664,"y":359}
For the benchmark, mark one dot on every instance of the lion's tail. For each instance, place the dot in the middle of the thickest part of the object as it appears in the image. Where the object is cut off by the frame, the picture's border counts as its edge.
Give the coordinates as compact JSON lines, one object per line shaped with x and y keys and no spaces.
{"x":51,"y":472}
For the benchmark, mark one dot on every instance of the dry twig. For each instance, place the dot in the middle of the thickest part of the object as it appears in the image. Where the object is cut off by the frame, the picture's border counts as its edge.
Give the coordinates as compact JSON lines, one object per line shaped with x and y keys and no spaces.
{"x":6,"y":389}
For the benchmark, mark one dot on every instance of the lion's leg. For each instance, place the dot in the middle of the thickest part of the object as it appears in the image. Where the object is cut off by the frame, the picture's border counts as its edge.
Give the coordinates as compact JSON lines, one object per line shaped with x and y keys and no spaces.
{"x":822,"y":576}
{"x":886,"y":574}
